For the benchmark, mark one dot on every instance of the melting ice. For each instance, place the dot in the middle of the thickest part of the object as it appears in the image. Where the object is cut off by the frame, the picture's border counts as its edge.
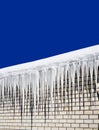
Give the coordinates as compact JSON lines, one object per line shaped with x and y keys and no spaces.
{"x":37,"y":85}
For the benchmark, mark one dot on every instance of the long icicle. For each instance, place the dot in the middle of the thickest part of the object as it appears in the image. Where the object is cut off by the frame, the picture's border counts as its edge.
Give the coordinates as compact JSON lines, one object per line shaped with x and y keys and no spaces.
{"x":78,"y":76}
{"x":83,"y":67}
{"x":37,"y":86}
{"x":58,"y":82}
{"x":71,"y":85}
{"x":95,"y":71}
{"x":66,"y":97}
{"x":69,"y":88}
{"x":91,"y":76}
{"x":86,"y":76}
{"x":73,"y":71}
{"x":54,"y":87}
{"x":45,"y":92}
{"x":62,"y":74}
{"x":3,"y":93}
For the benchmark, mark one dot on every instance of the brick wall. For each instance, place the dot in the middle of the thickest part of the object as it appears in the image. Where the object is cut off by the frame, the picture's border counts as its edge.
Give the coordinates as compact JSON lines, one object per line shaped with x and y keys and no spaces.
{"x":61,"y":114}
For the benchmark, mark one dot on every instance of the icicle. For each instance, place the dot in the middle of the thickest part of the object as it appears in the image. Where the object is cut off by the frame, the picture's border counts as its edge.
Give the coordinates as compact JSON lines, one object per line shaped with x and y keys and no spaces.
{"x":42,"y":87}
{"x":5,"y":87}
{"x":82,"y":71}
{"x":97,"y":76}
{"x":2,"y":92}
{"x":37,"y":86}
{"x":69,"y":96}
{"x":12,"y":96}
{"x":8,"y":85}
{"x":51,"y":82}
{"x":58,"y":80}
{"x":48,"y":84}
{"x":95,"y":70}
{"x":14,"y":93}
{"x":47,"y":89}
{"x":26,"y":91}
{"x":65,"y":83}
{"x":10,"y":92}
{"x":21,"y":95}
{"x":23,"y":90}
{"x":54,"y":84}
{"x":73,"y":71}
{"x":33,"y":81}
{"x":86,"y":75}
{"x":66,"y":89}
{"x":78,"y":76}
{"x":29,"y":87}
{"x":91,"y":76}
{"x":62,"y":82}
{"x":31,"y":95}
{"x":45,"y":94}
{"x":15,"y":84}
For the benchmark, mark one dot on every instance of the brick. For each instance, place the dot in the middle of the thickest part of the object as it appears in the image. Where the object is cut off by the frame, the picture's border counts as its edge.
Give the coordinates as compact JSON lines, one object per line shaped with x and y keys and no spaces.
{"x":70,"y":121}
{"x":96,"y":112}
{"x":66,"y":125}
{"x":96,"y":121}
{"x":35,"y":128}
{"x":88,"y":129}
{"x":84,"y":116}
{"x":70,"y":129}
{"x":62,"y":128}
{"x":75,"y":116}
{"x":51,"y":124}
{"x":93,"y":125}
{"x":79,"y":129}
{"x":88,"y":112}
{"x":54,"y":128}
{"x":75,"y":125}
{"x":40,"y":128}
{"x":93,"y":116}
{"x":59,"y":125}
{"x":79,"y":121}
{"x":88,"y":121}
{"x":79,"y":112}
{"x":83,"y":125}
{"x":62,"y":121}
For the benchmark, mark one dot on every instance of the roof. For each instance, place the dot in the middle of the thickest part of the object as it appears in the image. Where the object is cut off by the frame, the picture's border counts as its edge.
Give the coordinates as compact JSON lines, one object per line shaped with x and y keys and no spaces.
{"x":58,"y":59}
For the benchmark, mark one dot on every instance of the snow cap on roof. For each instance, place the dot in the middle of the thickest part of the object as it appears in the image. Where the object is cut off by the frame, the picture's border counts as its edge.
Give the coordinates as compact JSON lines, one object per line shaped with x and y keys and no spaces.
{"x":66,"y":57}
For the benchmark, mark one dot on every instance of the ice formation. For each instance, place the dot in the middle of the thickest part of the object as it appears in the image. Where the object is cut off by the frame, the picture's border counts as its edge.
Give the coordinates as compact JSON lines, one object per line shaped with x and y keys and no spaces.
{"x":38,"y":82}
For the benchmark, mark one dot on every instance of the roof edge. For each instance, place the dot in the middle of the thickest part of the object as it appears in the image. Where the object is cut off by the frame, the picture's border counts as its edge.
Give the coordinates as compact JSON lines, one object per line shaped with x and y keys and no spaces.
{"x":73,"y":55}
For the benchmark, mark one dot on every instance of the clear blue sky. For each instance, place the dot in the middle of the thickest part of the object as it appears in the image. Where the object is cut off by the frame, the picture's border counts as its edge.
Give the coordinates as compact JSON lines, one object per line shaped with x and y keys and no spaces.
{"x":31,"y":30}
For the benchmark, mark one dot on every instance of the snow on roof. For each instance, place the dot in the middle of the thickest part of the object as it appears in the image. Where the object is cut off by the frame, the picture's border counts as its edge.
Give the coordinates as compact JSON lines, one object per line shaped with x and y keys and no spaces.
{"x":66,"y":57}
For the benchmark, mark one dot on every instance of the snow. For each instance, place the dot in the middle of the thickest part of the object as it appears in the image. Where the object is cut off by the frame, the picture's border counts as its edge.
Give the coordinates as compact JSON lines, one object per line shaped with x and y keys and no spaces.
{"x":36,"y":81}
{"x":66,"y":57}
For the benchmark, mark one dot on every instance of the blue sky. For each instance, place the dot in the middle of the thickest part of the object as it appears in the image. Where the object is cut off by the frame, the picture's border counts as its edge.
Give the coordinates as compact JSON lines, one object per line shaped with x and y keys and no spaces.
{"x":31,"y":30}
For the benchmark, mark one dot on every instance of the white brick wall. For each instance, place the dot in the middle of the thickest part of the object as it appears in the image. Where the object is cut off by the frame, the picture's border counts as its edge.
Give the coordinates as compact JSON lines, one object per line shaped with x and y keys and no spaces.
{"x":86,"y":118}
